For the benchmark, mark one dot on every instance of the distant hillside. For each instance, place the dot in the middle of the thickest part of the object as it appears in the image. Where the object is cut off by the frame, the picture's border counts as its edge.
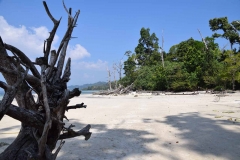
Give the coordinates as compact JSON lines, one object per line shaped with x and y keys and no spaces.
{"x":93,"y":86}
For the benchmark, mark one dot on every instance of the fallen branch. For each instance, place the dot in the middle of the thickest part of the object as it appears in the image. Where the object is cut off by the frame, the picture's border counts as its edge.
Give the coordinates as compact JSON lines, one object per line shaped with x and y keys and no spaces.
{"x":76,"y":106}
{"x":74,"y":93}
{"x":83,"y":132}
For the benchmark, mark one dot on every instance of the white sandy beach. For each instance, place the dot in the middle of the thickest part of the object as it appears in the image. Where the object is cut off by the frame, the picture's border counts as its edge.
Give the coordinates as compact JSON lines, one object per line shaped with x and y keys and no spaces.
{"x":163,"y":127}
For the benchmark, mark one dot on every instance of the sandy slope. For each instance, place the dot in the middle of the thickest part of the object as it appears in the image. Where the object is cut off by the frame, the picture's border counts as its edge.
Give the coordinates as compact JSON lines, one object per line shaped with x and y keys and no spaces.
{"x":176,"y":127}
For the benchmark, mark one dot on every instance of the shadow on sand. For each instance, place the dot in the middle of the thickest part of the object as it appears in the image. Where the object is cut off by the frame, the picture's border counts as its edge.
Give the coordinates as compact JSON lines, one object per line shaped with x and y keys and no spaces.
{"x":207,"y":137}
{"x":107,"y":143}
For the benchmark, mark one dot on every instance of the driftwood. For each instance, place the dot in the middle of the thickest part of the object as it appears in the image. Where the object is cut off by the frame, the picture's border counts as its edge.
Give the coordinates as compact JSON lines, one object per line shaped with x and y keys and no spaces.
{"x":42,"y":119}
{"x":120,"y":90}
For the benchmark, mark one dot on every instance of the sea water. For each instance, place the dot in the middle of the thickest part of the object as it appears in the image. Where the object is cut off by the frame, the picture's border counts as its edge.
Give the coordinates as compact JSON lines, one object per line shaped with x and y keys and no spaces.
{"x":89,"y":91}
{"x":82,"y":92}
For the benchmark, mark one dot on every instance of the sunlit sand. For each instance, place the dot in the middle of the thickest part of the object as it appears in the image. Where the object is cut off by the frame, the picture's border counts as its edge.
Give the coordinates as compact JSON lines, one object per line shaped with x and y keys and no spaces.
{"x":174,"y":127}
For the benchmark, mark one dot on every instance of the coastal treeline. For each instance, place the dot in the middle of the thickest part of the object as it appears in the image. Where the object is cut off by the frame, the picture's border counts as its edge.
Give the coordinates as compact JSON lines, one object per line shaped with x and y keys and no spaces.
{"x":189,"y":65}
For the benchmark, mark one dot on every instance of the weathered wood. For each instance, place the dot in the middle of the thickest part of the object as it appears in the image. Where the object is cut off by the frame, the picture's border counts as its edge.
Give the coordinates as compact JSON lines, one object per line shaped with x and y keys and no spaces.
{"x":23,"y":58}
{"x":42,"y":116}
{"x":74,"y":93}
{"x":120,"y":90}
{"x":32,"y":118}
{"x":83,"y":132}
{"x":76,"y":106}
{"x":48,"y":122}
{"x":203,"y":40}
{"x":10,"y":92}
{"x":67,"y":71}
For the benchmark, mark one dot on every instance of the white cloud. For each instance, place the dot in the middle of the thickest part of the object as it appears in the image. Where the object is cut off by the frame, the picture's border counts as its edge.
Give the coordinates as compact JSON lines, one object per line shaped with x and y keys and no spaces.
{"x":99,"y":65}
{"x":77,"y":52}
{"x":29,"y":40}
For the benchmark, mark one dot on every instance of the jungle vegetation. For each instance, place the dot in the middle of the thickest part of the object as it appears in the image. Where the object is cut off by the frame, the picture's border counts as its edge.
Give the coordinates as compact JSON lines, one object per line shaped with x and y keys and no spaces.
{"x":189,"y":65}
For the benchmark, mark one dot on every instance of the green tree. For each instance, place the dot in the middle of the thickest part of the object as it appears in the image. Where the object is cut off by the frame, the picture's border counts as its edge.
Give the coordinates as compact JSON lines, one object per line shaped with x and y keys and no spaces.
{"x":151,"y":78}
{"x":230,"y":30}
{"x":129,"y":68}
{"x":231,"y":68}
{"x":211,"y":66}
{"x":177,"y":77}
{"x":196,"y":60}
{"x":172,"y":54}
{"x":192,"y":55}
{"x":147,"y":48}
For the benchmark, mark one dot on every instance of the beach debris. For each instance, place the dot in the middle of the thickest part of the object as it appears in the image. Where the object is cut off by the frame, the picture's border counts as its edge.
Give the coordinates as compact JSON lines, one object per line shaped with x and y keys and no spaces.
{"x":119,"y":91}
{"x":218,"y":116}
{"x":237,"y":120}
{"x":228,"y":112}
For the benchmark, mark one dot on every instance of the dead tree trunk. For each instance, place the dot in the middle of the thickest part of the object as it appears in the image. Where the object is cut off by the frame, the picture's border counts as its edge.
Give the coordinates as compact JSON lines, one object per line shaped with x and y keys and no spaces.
{"x":109,"y":79}
{"x":161,"y":51}
{"x":119,"y":69}
{"x":41,"y":120}
{"x":114,"y":76}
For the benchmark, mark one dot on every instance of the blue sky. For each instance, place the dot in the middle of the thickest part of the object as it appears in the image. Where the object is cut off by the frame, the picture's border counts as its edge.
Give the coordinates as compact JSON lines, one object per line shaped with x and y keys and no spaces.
{"x":108,"y":28}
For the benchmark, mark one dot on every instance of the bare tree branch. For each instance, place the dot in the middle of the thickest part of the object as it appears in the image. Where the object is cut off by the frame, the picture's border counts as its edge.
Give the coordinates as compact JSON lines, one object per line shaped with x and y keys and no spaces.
{"x":26,"y":116}
{"x":24,"y":59}
{"x":74,"y":93}
{"x":76,"y":106}
{"x":64,"y":48}
{"x":48,"y":123}
{"x":10,"y":92}
{"x":54,"y":156}
{"x":69,"y":14}
{"x":162,"y":50}
{"x":61,"y":60}
{"x":48,"y":12}
{"x":83,"y":132}
{"x":53,"y":58}
{"x":52,"y":33}
{"x":41,"y":116}
{"x":203,"y":39}
{"x":67,"y":71}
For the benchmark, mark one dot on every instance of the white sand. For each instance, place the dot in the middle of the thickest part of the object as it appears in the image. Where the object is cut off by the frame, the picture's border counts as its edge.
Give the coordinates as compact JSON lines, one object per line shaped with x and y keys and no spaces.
{"x":186,"y":127}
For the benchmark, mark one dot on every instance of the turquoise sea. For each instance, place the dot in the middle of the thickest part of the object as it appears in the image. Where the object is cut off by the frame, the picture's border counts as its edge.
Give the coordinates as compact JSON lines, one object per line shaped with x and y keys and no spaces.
{"x":83,"y":92}
{"x":89,"y":91}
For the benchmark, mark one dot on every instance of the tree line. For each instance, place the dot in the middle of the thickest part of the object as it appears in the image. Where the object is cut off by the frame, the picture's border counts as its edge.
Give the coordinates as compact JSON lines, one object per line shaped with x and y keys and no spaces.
{"x":189,"y":65}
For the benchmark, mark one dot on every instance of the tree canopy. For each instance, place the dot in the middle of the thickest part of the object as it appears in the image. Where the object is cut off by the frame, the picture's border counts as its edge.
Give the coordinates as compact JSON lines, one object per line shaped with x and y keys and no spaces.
{"x":189,"y":65}
{"x":147,"y":48}
{"x":230,"y":30}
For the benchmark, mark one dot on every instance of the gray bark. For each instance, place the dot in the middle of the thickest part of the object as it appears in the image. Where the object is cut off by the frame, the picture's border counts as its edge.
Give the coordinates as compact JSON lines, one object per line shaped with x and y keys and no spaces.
{"x":41,"y":120}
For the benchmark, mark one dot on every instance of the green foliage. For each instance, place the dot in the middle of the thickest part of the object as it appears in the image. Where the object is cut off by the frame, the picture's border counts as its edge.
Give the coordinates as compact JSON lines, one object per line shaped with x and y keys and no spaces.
{"x":129,"y":68}
{"x":188,"y":65}
{"x":230,"y":72}
{"x":147,"y":48}
{"x":178,"y":79}
{"x":230,"y":30}
{"x":218,"y":88}
{"x":151,"y":78}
